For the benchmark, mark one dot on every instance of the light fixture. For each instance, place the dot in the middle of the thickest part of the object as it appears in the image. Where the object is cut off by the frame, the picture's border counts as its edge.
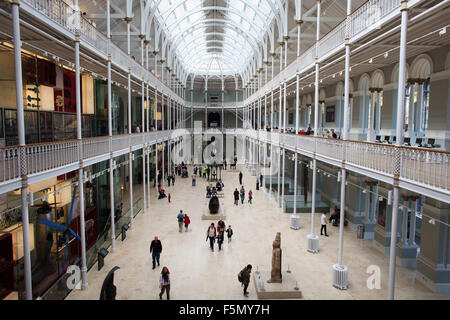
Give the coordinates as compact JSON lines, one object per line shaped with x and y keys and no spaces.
{"x":370,"y":60}
{"x":364,"y":191}
{"x":386,"y":54}
{"x":339,"y":176}
{"x":380,"y":199}
{"x":334,"y":75}
{"x":340,"y":73}
{"x":390,"y":197}
{"x":443,"y":31}
{"x":432,"y":221}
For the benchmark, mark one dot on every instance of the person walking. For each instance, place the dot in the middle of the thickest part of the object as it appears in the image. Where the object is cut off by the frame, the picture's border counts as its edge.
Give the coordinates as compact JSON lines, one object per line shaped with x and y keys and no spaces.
{"x":220,"y":239}
{"x":168,"y":179}
{"x":208,"y":172}
{"x":229,"y":233}
{"x":155,"y":250}
{"x":204,"y":172}
{"x":225,"y":164}
{"x":220,"y":226}
{"x":242,"y":194}
{"x":323,"y":220}
{"x":173,"y":180}
{"x":211,"y":234}
{"x":164,"y":283}
{"x":236,"y":196}
{"x":187,"y":221}
{"x":250,"y":196}
{"x":180,"y":218}
{"x":169,"y":197}
{"x":244,"y":278}
{"x":240,"y":177}
{"x":257,"y":184}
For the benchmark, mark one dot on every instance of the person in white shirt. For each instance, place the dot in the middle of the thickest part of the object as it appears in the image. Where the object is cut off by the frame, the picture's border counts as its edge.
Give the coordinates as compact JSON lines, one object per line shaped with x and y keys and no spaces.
{"x":323,"y":220}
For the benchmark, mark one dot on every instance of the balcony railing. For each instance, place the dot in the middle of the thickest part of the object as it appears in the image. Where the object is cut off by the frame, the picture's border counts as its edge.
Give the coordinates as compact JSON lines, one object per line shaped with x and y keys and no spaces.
{"x":420,"y":166}
{"x":367,"y":17}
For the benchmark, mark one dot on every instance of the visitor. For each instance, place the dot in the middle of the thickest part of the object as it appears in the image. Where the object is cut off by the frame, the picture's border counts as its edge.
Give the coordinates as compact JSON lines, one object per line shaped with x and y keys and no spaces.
{"x":208,"y":191}
{"x":208,"y":171}
{"x":257,"y":184}
{"x":194,"y":181}
{"x":204,"y":172}
{"x":240,"y":178}
{"x":155,"y":250}
{"x":180,"y":218}
{"x":195,"y":169}
{"x":225,"y":164}
{"x":214,"y":192}
{"x":250,"y":196}
{"x":242,"y":194}
{"x":164,"y":283}
{"x":220,"y":239}
{"x":244,"y":278}
{"x":173,"y":180}
{"x":334,"y":218}
{"x":168,"y":179}
{"x":220,"y":226}
{"x":333,"y":134}
{"x":159,"y":177}
{"x":236,"y":196}
{"x":323,"y":220}
{"x":187,"y":221}
{"x":229,"y":233}
{"x":169,"y":197}
{"x":211,"y":234}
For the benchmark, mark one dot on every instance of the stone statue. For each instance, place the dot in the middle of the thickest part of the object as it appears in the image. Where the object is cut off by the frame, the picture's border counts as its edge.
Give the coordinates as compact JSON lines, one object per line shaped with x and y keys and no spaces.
{"x":214,"y":205}
{"x":275,"y":274}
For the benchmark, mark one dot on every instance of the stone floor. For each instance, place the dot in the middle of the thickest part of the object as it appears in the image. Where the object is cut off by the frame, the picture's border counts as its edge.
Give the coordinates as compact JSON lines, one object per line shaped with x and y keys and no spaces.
{"x":198,"y":273}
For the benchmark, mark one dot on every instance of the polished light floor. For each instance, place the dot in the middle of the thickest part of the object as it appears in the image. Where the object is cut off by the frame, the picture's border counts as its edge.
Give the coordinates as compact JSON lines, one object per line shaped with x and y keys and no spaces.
{"x":198,"y":273}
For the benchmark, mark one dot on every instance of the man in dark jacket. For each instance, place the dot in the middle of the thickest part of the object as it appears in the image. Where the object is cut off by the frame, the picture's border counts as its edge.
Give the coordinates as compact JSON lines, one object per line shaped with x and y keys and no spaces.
{"x":155,"y":250}
{"x":236,"y":196}
{"x":240,"y":177}
{"x":245,"y":278}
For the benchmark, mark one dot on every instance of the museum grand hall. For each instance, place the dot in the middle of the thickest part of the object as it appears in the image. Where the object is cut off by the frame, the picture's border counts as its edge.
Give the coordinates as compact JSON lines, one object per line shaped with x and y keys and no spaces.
{"x":229,"y":150}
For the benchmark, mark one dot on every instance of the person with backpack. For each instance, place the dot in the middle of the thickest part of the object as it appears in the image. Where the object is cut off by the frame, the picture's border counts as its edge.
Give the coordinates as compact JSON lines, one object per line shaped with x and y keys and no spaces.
{"x":244,"y":278}
{"x":250,"y":196}
{"x":236,"y":196}
{"x":211,"y":234}
{"x":180,"y":218}
{"x":155,"y":250}
{"x":229,"y":233}
{"x":187,"y":221}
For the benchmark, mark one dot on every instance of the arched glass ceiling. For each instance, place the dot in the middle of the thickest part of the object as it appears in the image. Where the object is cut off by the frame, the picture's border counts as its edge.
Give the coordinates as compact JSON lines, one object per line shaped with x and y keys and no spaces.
{"x":207,"y":33}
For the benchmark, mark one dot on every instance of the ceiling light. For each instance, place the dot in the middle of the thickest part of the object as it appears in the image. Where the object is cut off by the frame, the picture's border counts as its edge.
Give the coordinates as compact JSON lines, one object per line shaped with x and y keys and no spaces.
{"x":386,"y":54}
{"x":443,"y":31}
{"x":371,"y":60}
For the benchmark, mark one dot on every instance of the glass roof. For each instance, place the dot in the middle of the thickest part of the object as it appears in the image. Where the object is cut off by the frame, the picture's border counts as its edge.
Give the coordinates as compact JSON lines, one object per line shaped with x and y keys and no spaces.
{"x":214,"y":37}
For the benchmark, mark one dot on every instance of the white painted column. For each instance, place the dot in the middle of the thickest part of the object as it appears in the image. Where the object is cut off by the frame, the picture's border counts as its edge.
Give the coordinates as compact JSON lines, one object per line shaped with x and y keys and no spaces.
{"x":297,"y":104}
{"x":130,"y":124}
{"x":84,"y":281}
{"x":313,"y":240}
{"x":111,"y":158}
{"x":412,"y":223}
{"x":399,"y":128}
{"x":21,"y":137}
{"x":144,"y":148}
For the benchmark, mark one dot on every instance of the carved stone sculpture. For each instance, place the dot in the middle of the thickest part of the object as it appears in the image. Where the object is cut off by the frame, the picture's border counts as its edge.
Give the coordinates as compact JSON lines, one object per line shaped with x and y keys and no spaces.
{"x":275,"y":274}
{"x":214,"y":205}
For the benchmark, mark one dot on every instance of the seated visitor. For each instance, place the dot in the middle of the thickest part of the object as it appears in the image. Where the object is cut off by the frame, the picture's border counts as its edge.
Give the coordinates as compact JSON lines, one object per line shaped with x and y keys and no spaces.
{"x":162,"y":194}
{"x":214,"y":192}
{"x":208,"y":191}
{"x":335,"y":216}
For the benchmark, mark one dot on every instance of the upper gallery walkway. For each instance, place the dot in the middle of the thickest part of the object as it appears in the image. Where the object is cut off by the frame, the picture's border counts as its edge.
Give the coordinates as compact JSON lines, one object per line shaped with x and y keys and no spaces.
{"x":425,"y":171}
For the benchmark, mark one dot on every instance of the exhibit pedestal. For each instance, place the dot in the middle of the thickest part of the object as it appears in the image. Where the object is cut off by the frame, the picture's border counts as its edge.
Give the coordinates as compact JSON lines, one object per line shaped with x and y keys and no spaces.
{"x":313,"y":243}
{"x":340,"y":277}
{"x":287,"y":289}
{"x":295,"y":221}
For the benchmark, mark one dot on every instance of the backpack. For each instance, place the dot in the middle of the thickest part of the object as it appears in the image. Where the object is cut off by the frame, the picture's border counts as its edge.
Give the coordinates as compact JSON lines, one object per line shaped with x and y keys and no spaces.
{"x":240,"y":275}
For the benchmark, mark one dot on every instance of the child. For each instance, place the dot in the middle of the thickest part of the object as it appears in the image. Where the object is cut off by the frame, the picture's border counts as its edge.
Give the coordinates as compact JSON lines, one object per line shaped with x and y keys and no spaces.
{"x":220,"y":239}
{"x":229,"y":233}
{"x":169,"y":197}
{"x":250,"y":196}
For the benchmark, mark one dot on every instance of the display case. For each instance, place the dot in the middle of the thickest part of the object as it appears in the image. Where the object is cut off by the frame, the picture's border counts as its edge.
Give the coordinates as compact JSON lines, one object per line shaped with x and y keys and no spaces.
{"x":6,"y":265}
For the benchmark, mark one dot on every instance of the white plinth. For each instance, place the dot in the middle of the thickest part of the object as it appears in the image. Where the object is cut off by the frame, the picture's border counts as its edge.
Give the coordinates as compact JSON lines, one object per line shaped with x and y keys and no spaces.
{"x":313,"y":243}
{"x":295,"y":221}
{"x":340,"y":277}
